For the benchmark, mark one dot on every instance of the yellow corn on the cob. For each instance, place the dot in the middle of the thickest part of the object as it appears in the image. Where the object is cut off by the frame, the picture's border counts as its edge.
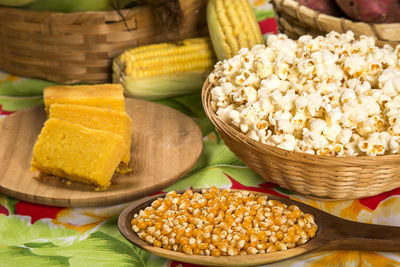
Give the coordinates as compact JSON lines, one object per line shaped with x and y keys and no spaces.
{"x":163,"y":70}
{"x":232,"y":25}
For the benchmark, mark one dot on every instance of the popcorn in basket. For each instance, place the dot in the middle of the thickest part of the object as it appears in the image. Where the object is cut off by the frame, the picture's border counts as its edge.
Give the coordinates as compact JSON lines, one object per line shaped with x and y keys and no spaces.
{"x":329,"y":95}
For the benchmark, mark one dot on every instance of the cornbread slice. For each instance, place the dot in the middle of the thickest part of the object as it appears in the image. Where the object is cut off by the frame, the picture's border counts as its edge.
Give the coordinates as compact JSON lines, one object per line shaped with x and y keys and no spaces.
{"x":100,"y":95}
{"x":97,"y":118}
{"x":70,"y":150}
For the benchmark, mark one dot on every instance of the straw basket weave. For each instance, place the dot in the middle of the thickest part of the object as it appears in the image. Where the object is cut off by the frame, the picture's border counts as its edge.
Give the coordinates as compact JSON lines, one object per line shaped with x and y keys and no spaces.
{"x":79,"y":47}
{"x":295,"y":20}
{"x":318,"y":176}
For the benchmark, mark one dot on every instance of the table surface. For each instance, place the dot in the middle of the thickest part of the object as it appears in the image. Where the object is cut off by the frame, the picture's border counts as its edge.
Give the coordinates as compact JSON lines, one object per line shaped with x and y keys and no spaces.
{"x":54,"y":236}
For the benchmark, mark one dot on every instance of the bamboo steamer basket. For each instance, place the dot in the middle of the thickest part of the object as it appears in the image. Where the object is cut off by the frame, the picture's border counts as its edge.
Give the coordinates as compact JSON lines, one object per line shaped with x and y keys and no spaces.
{"x":296,"y":20}
{"x":79,"y":47}
{"x":321,"y":177}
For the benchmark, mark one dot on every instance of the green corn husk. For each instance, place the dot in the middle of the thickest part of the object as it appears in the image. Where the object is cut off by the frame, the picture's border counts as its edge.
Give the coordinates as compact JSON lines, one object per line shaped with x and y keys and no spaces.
{"x":164,"y":70}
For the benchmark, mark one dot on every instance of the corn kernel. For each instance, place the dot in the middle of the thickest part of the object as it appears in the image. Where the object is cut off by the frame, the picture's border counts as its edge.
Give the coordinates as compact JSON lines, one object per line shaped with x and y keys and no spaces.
{"x":197,"y":251}
{"x":216,"y":252}
{"x":195,"y":224}
{"x":187,"y":249}
{"x":251,"y":251}
{"x":157,"y":243}
{"x":203,"y":246}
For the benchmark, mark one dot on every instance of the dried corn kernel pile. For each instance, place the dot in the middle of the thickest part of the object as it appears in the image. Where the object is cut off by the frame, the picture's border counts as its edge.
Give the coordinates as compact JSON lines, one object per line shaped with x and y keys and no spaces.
{"x":219,"y":223}
{"x":330,"y":95}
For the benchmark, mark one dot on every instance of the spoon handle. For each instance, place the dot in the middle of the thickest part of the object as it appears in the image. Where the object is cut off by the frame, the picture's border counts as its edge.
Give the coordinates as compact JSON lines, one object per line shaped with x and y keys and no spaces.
{"x":349,"y":235}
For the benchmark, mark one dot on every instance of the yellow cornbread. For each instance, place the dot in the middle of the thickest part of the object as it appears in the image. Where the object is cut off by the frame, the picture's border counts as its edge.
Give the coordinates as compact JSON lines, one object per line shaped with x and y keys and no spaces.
{"x":70,"y":150}
{"x":97,"y":118}
{"x":100,"y":95}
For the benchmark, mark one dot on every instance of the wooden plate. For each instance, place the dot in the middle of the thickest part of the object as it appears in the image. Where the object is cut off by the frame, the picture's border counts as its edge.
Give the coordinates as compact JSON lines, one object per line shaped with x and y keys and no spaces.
{"x":166,"y":144}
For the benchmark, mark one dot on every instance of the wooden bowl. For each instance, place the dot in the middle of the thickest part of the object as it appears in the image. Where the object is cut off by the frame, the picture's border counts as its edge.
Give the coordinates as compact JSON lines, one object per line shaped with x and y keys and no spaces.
{"x":333,"y":233}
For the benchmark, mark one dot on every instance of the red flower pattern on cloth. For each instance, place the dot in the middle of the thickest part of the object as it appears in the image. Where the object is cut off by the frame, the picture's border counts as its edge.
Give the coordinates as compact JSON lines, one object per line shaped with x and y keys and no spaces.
{"x":374,"y":201}
{"x":36,"y":211}
{"x":4,"y":211}
{"x":4,"y":112}
{"x":268,"y":26}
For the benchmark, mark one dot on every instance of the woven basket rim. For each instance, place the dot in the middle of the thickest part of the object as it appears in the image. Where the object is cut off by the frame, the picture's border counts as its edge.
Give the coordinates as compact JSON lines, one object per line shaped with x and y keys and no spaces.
{"x":339,"y":19}
{"x":264,"y":148}
{"x":295,"y":20}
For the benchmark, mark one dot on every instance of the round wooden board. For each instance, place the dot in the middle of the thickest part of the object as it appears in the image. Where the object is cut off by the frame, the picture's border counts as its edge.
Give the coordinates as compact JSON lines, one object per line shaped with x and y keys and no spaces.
{"x":166,"y":144}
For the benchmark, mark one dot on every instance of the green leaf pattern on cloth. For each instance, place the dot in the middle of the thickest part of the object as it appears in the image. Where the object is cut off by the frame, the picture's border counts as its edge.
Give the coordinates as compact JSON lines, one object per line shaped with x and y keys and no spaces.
{"x":44,"y":244}
{"x":41,"y":231}
{"x":215,"y":161}
{"x":21,"y":256}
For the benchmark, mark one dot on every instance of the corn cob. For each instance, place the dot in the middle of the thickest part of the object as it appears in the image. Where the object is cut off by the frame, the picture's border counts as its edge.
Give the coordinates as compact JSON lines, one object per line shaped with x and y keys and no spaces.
{"x":232,"y":25}
{"x":163,"y":70}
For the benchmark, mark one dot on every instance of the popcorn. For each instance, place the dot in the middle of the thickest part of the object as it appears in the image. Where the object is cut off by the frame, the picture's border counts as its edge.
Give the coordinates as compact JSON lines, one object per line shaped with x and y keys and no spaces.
{"x":263,"y":68}
{"x":301,"y":103}
{"x":332,"y":132}
{"x":334,"y":115}
{"x":264,"y":139}
{"x":326,"y":151}
{"x":354,"y":65}
{"x":288,"y":142}
{"x":370,"y":104}
{"x":365,"y":146}
{"x":314,"y":102}
{"x":250,"y":94}
{"x":265,"y":104}
{"x":285,"y":126}
{"x":224,"y":113}
{"x":338,"y":149}
{"x":330,"y":95}
{"x":393,"y":145}
{"x":317,"y":126}
{"x":282,"y":70}
{"x":269,"y":84}
{"x":306,"y":67}
{"x":344,"y":136}
{"x":348,"y":95}
{"x":276,"y":139}
{"x":253,"y":135}
{"x":316,"y":140}
{"x":246,"y":78}
{"x":234,"y":115}
{"x":350,"y":149}
{"x":299,"y":120}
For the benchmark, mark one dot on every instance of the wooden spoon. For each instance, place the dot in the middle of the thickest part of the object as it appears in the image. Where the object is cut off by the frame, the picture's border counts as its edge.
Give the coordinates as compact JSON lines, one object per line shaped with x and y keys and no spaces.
{"x":333,"y":233}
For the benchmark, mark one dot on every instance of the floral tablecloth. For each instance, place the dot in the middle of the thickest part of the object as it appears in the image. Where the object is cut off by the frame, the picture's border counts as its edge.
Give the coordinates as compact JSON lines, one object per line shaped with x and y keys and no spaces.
{"x":37,"y":235}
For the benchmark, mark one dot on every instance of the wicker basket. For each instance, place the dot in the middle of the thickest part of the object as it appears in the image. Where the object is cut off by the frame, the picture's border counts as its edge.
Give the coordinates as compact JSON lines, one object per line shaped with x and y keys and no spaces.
{"x":295,"y":20}
{"x":79,"y":47}
{"x":317,"y":176}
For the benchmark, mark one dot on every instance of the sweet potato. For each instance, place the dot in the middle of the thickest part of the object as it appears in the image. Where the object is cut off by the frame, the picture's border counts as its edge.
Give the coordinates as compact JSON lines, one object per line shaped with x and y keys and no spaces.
{"x":328,"y":7}
{"x":375,"y":11}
